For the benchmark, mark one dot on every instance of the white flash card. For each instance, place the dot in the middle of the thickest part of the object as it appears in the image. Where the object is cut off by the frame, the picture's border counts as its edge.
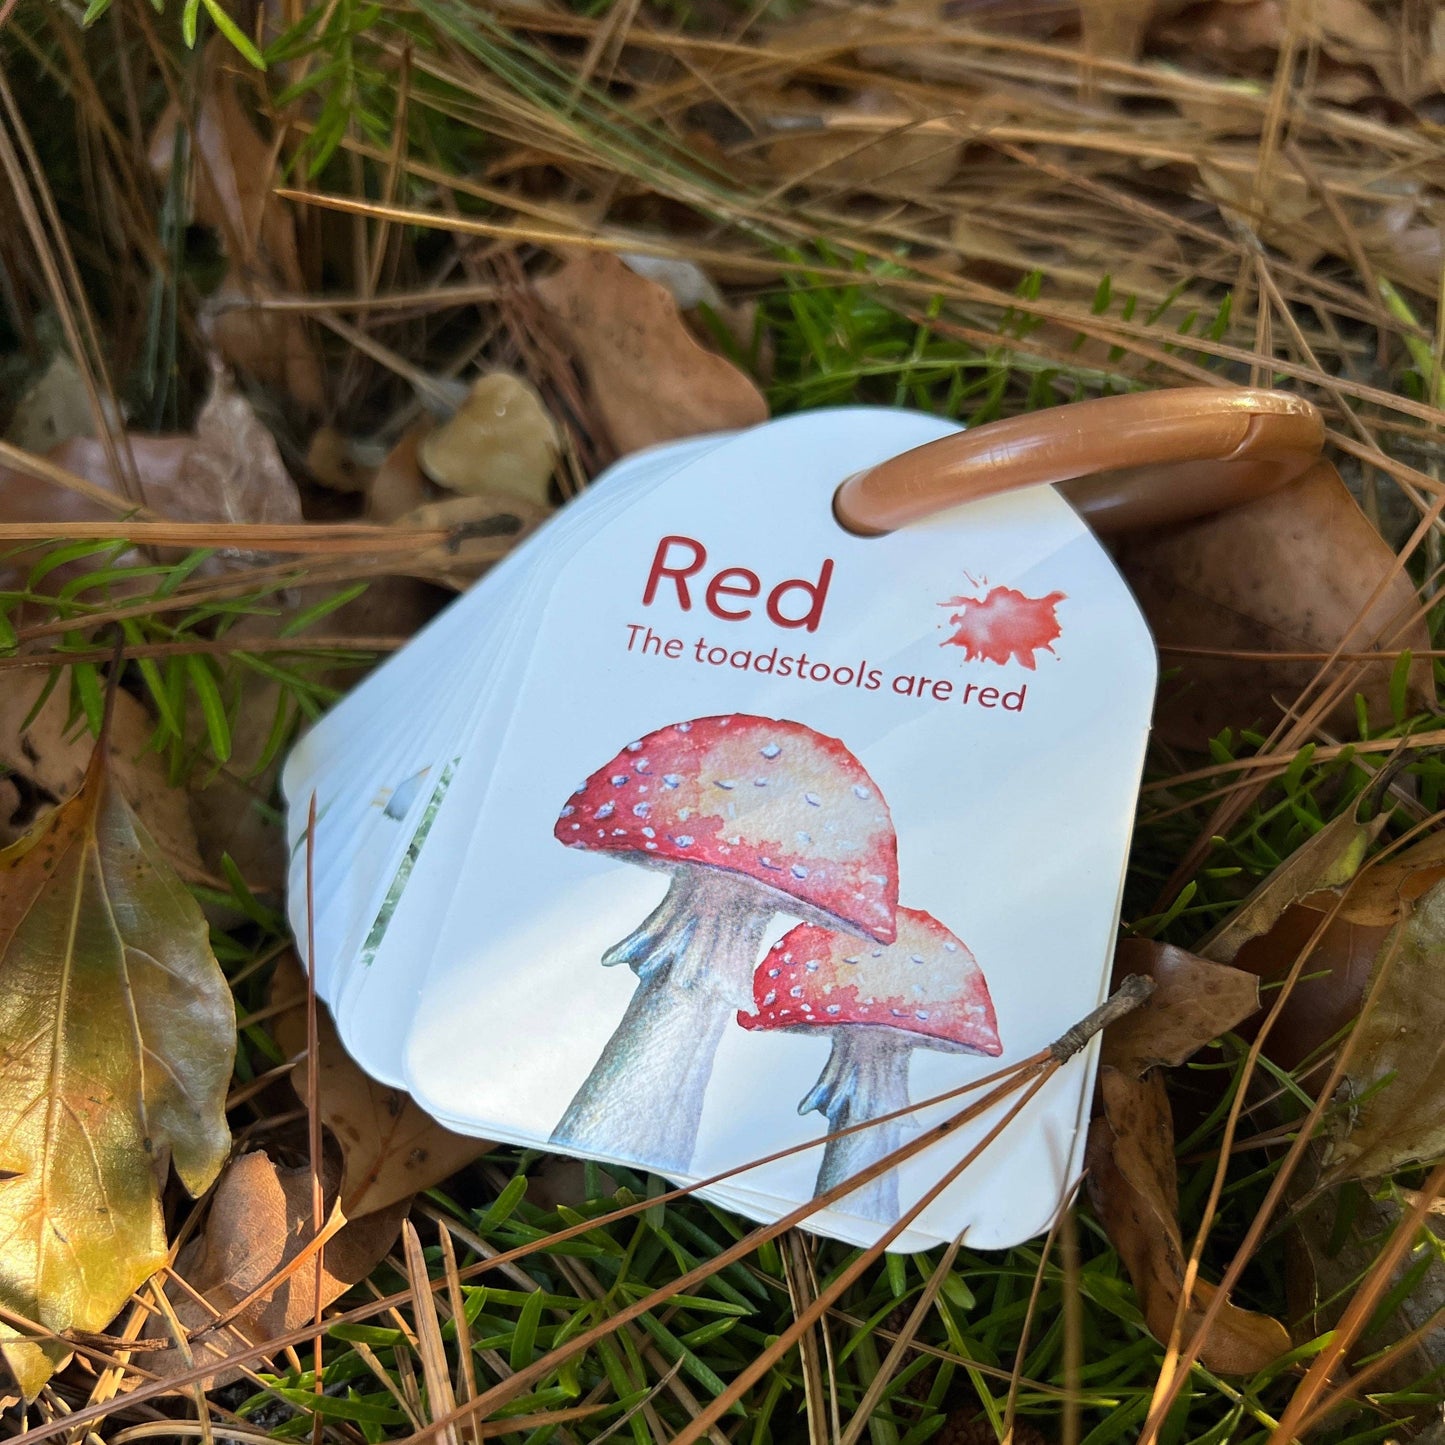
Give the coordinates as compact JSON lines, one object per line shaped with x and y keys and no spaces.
{"x":773,"y":830}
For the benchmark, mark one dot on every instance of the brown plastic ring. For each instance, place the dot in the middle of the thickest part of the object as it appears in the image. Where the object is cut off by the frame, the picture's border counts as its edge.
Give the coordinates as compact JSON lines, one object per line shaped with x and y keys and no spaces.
{"x":1124,"y":462}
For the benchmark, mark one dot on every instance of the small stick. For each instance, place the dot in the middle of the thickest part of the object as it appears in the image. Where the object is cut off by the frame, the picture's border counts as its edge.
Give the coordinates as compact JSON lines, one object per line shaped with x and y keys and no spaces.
{"x":1125,"y":999}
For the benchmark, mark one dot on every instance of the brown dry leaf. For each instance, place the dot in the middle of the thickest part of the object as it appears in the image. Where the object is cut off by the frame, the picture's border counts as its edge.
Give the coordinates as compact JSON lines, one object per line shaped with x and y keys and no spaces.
{"x":1327,"y":996}
{"x":1330,"y":859}
{"x":485,"y":526}
{"x":1394,"y":914}
{"x":1397,"y":1072}
{"x":230,"y":470}
{"x":46,"y":762}
{"x":399,"y":485}
{"x":391,"y":1150}
{"x":231,"y":171}
{"x":501,"y":439}
{"x":1194,"y":1002}
{"x":272,"y":346}
{"x":1271,"y":928}
{"x":649,"y":378}
{"x":259,"y":1222}
{"x":1291,"y":572}
{"x":117,"y":1039}
{"x":1134,"y":1190}
{"x":1130,"y":1158}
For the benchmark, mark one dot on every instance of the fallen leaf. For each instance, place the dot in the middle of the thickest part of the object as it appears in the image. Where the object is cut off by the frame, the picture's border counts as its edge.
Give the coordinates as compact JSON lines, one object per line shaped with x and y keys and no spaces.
{"x":1327,"y":996}
{"x":390,"y":1148}
{"x":229,"y":470}
{"x":1134,"y":1190}
{"x":1329,"y":859}
{"x":231,"y":171}
{"x":1193,"y":1003}
{"x":399,"y":485}
{"x":259,"y":1222}
{"x":650,"y":379}
{"x":1291,"y":572}
{"x":117,"y":1037}
{"x":501,"y":439}
{"x":47,"y":760}
{"x":271,"y":346}
{"x":1298,"y":907}
{"x":484,"y":526}
{"x":1130,"y":1155}
{"x":1396,"y":1078}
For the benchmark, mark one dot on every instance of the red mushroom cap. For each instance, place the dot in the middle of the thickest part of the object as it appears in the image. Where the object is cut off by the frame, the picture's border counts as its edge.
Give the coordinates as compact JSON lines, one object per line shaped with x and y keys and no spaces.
{"x":761,"y":798}
{"x":926,"y":983}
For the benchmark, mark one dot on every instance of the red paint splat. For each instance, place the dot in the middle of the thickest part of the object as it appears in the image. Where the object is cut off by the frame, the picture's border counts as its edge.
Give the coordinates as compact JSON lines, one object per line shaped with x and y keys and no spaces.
{"x":1004,"y":624}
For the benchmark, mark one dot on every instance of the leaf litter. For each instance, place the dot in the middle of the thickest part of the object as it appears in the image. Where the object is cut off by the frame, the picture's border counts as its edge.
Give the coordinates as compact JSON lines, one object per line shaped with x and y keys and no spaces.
{"x":117,"y":1034}
{"x":1130,"y":1156}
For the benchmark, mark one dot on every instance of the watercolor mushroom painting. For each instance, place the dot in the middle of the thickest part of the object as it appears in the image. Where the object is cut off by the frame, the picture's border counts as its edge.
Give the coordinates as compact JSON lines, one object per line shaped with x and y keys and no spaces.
{"x":878,"y":1003}
{"x":751,"y":817}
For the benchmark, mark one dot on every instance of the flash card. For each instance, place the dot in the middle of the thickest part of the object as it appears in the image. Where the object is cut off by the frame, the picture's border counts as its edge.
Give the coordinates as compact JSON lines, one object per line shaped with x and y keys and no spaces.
{"x":773,"y":830}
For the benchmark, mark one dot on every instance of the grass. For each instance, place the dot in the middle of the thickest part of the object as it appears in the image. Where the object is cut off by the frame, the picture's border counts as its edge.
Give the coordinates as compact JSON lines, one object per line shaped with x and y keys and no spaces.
{"x":429,"y":110}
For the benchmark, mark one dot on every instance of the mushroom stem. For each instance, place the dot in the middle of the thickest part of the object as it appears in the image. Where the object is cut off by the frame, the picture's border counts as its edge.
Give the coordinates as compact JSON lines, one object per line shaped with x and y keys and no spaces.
{"x":693,"y":957}
{"x":866,"y":1075}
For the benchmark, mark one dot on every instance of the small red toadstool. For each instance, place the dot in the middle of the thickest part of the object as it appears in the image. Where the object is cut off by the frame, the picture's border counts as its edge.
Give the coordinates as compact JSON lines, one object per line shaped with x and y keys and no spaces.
{"x":752,"y":816}
{"x":879,"y":1003}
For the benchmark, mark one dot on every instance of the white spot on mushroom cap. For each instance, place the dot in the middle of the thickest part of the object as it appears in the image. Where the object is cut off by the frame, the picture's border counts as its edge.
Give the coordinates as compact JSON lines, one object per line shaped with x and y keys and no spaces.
{"x":618,"y":780}
{"x":813,"y":800}
{"x":605,"y":811}
{"x":649,"y":832}
{"x":770,"y":750}
{"x":683,"y":840}
{"x":568,"y":810}
{"x":671,"y":780}
{"x":641,"y":810}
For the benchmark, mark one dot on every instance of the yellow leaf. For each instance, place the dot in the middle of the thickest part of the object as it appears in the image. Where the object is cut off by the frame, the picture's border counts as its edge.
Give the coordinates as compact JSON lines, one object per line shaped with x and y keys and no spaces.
{"x":117,"y":1038}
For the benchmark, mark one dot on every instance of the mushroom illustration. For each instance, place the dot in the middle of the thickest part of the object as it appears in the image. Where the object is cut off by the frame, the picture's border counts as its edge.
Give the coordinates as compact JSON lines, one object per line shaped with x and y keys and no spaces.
{"x":879,"y":1003}
{"x":751,"y":816}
